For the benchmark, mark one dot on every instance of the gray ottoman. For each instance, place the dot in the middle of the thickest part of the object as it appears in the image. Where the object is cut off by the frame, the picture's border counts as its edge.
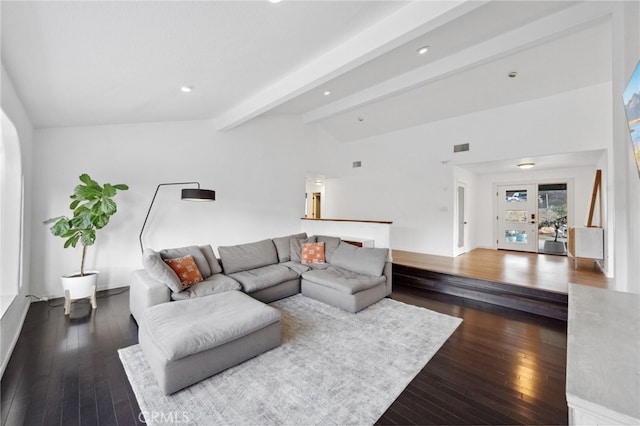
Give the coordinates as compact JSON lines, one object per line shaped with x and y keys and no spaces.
{"x":189,"y":340}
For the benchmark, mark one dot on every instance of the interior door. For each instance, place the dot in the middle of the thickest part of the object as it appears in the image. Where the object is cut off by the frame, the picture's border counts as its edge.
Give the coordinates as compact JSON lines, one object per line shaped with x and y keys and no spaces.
{"x":517,"y":217}
{"x":461,"y":218}
{"x":315,"y":209}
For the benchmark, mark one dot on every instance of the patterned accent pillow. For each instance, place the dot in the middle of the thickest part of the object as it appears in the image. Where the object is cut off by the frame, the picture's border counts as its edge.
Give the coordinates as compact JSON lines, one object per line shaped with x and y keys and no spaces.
{"x":295,"y":247}
{"x":186,"y":270}
{"x":312,"y":253}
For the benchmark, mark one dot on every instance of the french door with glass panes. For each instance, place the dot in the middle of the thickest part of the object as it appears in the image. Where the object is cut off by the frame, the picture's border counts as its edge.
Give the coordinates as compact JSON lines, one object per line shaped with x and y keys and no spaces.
{"x":517,"y":217}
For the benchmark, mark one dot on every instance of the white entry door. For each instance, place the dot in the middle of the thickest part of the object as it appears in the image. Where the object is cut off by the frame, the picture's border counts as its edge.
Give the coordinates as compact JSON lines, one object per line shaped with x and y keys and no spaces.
{"x":517,"y":217}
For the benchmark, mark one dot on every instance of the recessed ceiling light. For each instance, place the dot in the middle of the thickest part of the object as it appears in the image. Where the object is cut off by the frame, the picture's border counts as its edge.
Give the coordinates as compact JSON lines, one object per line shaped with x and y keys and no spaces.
{"x":361,"y":119}
{"x":527,"y":165}
{"x":274,"y":1}
{"x":423,"y":50}
{"x":327,"y":92}
{"x":513,"y":74}
{"x":186,"y":89}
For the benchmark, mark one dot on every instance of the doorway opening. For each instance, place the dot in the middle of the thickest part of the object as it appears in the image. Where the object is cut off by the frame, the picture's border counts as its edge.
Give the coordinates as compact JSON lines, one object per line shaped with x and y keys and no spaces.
{"x":533,"y":218}
{"x":316,"y":200}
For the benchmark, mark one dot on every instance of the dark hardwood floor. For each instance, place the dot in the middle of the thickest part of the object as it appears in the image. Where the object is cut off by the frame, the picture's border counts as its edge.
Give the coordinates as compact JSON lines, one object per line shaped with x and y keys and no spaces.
{"x":66,"y":370}
{"x":499,"y":367}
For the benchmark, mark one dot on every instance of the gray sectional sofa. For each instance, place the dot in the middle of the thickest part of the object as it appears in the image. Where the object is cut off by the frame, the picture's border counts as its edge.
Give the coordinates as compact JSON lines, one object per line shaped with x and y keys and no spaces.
{"x":221,"y":321}
{"x":351,"y":278}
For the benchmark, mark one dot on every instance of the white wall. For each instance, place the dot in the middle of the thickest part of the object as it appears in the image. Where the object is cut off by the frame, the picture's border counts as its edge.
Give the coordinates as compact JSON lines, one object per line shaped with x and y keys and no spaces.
{"x":408,"y":176}
{"x":13,"y":317}
{"x":606,"y":212}
{"x":624,"y":204}
{"x":257,"y":172}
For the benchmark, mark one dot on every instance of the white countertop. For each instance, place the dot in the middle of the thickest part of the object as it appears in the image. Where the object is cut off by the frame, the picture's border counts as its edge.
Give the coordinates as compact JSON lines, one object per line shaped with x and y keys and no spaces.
{"x":603,"y":349}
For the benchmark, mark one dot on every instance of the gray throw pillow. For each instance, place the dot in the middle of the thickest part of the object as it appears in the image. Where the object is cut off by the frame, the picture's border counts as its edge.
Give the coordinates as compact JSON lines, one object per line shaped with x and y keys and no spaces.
{"x":198,"y":256}
{"x":363,"y":260}
{"x":330,"y":245}
{"x":283,"y":246}
{"x":295,"y":247}
{"x":160,"y":271}
{"x":208,"y":253}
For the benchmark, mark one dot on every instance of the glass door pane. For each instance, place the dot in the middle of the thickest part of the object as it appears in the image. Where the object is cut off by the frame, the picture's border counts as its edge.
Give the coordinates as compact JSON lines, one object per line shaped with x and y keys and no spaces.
{"x":517,"y":211}
{"x":552,"y":226}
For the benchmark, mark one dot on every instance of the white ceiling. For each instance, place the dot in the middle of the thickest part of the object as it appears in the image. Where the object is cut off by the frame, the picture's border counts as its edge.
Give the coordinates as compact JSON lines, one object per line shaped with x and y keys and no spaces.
{"x":87,"y":63}
{"x":92,"y":63}
{"x":545,"y":162}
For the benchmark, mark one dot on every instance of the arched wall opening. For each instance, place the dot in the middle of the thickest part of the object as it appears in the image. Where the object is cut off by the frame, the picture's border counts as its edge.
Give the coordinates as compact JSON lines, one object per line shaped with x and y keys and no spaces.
{"x":11,"y":208}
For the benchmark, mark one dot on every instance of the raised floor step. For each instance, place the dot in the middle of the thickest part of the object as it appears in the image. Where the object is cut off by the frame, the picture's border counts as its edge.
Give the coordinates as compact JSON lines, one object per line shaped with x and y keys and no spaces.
{"x":527,"y":299}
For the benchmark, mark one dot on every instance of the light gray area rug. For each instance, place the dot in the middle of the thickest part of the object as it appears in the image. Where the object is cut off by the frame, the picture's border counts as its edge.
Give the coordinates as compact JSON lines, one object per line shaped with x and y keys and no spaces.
{"x":333,"y":367}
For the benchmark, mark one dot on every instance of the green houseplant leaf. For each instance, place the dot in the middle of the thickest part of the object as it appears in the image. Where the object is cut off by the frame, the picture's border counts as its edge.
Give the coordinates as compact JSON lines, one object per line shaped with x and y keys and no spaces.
{"x":91,"y":208}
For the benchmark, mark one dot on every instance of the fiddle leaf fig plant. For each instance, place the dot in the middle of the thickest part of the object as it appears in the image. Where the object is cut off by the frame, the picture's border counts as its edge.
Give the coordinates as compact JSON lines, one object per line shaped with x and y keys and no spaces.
{"x":92,"y":207}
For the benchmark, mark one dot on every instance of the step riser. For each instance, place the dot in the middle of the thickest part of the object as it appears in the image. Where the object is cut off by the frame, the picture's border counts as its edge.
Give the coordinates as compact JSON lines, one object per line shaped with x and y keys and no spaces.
{"x":532,"y":300}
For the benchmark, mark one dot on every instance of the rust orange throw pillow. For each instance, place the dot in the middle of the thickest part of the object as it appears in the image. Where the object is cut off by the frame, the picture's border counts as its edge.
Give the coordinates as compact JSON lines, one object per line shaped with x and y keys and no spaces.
{"x":312,"y":253}
{"x":186,"y":270}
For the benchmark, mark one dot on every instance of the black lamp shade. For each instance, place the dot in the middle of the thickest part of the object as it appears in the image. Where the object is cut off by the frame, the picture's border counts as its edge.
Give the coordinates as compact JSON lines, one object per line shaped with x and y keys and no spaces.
{"x":197,"y":194}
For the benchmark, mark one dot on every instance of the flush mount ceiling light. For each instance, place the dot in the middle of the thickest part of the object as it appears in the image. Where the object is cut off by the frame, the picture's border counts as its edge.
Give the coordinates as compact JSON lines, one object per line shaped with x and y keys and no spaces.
{"x":526,"y":165}
{"x":186,"y":89}
{"x":423,"y":50}
{"x":327,"y":92}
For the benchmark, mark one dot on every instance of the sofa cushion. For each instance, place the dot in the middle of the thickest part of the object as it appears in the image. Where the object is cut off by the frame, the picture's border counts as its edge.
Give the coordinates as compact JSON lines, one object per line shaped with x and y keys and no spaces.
{"x":216,"y":283}
{"x":198,"y":256}
{"x":186,"y":270}
{"x":283,"y":245}
{"x":216,"y":320}
{"x":298,"y":268}
{"x":343,"y":280}
{"x":214,"y":265}
{"x":363,"y":260}
{"x":160,"y":271}
{"x":295,"y":247}
{"x":330,"y":245}
{"x":244,"y":257}
{"x":312,"y":253}
{"x":263,"y":277}
{"x":318,"y":265}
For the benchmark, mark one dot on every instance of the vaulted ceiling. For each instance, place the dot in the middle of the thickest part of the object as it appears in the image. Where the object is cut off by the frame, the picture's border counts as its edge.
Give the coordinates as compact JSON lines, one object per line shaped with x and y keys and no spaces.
{"x":94,"y":63}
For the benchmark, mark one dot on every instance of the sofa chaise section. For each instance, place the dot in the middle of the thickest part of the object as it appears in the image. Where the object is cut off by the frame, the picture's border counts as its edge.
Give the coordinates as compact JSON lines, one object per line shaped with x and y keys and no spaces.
{"x":189,"y":340}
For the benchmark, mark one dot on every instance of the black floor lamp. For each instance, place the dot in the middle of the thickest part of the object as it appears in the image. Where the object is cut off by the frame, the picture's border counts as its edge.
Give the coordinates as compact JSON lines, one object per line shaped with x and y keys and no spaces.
{"x":188,"y":194}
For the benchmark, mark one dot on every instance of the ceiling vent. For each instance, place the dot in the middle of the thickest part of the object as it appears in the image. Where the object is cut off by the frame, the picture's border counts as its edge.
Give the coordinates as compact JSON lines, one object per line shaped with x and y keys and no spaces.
{"x":463,"y":147}
{"x":357,"y":164}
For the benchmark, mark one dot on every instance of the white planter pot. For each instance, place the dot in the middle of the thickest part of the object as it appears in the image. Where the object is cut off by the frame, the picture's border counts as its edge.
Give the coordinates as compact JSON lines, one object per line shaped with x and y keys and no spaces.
{"x":79,"y":287}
